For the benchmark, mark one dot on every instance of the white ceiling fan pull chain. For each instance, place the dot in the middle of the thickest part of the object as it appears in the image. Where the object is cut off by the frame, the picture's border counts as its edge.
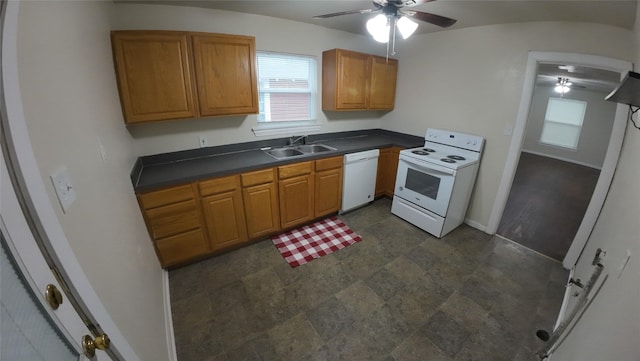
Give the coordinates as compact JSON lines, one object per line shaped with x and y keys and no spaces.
{"x":393,"y":46}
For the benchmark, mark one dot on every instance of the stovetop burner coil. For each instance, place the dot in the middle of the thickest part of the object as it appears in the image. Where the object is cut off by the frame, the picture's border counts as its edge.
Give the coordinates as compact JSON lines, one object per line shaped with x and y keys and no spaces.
{"x":456,"y":157}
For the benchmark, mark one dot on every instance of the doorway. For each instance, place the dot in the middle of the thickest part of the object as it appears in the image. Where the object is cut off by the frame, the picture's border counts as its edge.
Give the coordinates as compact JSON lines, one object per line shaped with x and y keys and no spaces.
{"x":517,"y":141}
{"x":568,"y":129}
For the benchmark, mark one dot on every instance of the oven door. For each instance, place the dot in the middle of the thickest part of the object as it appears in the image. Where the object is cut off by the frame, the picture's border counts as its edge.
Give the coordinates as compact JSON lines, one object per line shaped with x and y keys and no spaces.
{"x":425,"y":184}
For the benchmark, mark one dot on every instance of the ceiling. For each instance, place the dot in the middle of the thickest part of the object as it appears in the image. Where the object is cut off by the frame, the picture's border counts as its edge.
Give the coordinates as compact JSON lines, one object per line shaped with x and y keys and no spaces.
{"x":584,"y":78}
{"x":469,"y":13}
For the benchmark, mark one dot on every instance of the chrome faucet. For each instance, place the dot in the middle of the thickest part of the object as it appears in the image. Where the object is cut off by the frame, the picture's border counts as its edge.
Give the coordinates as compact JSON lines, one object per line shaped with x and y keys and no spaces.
{"x":294,"y":140}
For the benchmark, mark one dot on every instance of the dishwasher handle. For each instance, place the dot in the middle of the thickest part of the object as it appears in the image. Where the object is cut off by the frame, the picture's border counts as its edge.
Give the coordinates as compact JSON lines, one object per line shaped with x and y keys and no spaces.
{"x":355,"y":160}
{"x":361,"y":156}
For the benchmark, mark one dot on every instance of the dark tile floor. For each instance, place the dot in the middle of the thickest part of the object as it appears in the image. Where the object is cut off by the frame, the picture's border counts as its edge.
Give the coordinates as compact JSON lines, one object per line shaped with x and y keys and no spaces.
{"x":399,"y":294}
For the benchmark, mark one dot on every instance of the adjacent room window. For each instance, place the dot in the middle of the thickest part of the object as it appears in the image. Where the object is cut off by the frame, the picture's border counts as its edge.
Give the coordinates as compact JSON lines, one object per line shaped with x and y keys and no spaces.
{"x":563,"y":122}
{"x":287,"y":92}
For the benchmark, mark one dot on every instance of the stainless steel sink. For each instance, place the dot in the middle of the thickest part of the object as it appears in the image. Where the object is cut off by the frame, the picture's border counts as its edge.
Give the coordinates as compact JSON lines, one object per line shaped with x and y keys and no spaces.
{"x":314,"y":148}
{"x":298,"y":151}
{"x":280,"y":153}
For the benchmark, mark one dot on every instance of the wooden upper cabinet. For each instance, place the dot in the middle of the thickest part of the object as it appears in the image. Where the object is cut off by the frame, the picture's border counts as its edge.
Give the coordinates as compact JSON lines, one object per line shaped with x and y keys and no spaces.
{"x":166,"y":75}
{"x":225,"y":68}
{"x":382,"y":84}
{"x":154,"y":75}
{"x":344,"y":80}
{"x":357,"y":81}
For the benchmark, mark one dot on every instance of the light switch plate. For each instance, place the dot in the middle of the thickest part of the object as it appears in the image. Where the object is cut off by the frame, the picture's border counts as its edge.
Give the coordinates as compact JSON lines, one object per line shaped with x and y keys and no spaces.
{"x":64,"y":189}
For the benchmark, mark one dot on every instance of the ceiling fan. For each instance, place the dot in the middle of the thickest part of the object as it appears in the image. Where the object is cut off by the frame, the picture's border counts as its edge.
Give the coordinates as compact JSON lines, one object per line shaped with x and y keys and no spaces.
{"x":392,"y":16}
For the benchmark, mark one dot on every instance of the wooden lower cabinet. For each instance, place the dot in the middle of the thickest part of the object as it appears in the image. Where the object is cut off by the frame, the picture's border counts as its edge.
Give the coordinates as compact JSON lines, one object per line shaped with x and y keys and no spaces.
{"x":181,"y":248}
{"x":296,"y":193}
{"x":392,"y":171}
{"x":383,"y":170}
{"x":328,"y":186}
{"x":223,"y":212}
{"x":260,"y":199}
{"x":192,"y":221}
{"x":174,"y":223}
{"x":387,"y":169}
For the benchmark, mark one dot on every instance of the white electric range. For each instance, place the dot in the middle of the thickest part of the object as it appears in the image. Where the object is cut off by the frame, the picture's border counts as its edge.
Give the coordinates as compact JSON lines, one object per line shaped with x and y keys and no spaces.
{"x":434,"y":182}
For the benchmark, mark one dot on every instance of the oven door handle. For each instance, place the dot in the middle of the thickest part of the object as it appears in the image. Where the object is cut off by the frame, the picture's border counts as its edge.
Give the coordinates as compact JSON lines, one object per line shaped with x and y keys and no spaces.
{"x":432,"y":168}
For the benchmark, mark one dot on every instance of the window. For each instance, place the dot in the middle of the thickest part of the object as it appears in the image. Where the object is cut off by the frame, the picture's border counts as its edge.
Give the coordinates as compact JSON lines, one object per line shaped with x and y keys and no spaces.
{"x":287,"y":93}
{"x":563,"y":122}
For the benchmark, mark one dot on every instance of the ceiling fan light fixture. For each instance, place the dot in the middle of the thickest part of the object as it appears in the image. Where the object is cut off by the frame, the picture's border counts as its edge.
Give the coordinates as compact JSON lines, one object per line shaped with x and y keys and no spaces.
{"x":378,"y":27}
{"x":562,"y":86}
{"x":406,"y":26}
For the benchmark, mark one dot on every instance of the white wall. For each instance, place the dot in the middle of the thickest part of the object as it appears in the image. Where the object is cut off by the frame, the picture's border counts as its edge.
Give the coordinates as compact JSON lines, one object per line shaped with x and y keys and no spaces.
{"x":595,"y":133}
{"x":471,"y":80}
{"x":70,"y":103}
{"x":271,"y":35}
{"x":610,"y":327}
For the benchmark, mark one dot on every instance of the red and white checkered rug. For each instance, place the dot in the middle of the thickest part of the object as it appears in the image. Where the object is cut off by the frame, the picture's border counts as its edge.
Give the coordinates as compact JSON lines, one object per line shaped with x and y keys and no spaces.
{"x":312,"y":241}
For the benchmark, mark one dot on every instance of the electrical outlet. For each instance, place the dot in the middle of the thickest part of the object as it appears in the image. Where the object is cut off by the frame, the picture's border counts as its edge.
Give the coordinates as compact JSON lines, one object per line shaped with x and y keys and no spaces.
{"x":64,"y":190}
{"x":203,"y":141}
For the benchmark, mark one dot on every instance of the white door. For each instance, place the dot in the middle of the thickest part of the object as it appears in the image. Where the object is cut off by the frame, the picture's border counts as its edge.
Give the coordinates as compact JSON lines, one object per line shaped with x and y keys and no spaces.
{"x":31,"y":328}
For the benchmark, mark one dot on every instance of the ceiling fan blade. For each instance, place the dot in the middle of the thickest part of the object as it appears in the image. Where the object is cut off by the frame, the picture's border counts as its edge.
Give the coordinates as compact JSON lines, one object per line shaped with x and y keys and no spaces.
{"x":434,"y":19}
{"x":365,"y":11}
{"x":410,"y":3}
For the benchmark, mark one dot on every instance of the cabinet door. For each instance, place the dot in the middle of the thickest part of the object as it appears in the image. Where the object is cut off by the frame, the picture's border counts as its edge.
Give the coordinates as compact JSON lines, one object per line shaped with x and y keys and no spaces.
{"x":296,"y":200}
{"x":224,"y":216}
{"x":181,"y":248}
{"x":154,"y":75}
{"x":328,"y":191}
{"x":172,"y":219}
{"x":261,"y":209}
{"x":392,"y":171}
{"x":382,"y":177}
{"x":382,"y":86}
{"x":345,"y":77}
{"x":225,"y":67}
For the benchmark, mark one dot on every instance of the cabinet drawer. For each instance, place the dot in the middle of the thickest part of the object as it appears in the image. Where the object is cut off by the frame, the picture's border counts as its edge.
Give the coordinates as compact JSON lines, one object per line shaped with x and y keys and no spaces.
{"x":218,"y":185}
{"x":257,"y":177}
{"x":292,"y":170}
{"x":166,"y":196}
{"x":173,"y":219}
{"x":181,"y":247}
{"x":329,"y":163}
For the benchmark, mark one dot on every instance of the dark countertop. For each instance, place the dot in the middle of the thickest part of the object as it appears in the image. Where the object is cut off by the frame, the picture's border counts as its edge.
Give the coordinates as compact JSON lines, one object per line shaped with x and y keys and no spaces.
{"x":168,"y":169}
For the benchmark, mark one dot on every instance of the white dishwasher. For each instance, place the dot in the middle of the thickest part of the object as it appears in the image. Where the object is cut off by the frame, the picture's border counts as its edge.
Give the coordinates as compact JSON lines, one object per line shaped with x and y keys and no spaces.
{"x":359,"y":179}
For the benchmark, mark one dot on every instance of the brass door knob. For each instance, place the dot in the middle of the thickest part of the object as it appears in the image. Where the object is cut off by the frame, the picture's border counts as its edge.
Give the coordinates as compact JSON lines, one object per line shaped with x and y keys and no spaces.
{"x":89,"y":345}
{"x":53,"y":296}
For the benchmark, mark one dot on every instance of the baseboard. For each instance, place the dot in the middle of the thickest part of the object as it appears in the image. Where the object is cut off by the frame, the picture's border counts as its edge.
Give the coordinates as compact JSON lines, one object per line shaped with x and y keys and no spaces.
{"x":476,"y":225}
{"x":565,"y":300}
{"x":168,"y":321}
